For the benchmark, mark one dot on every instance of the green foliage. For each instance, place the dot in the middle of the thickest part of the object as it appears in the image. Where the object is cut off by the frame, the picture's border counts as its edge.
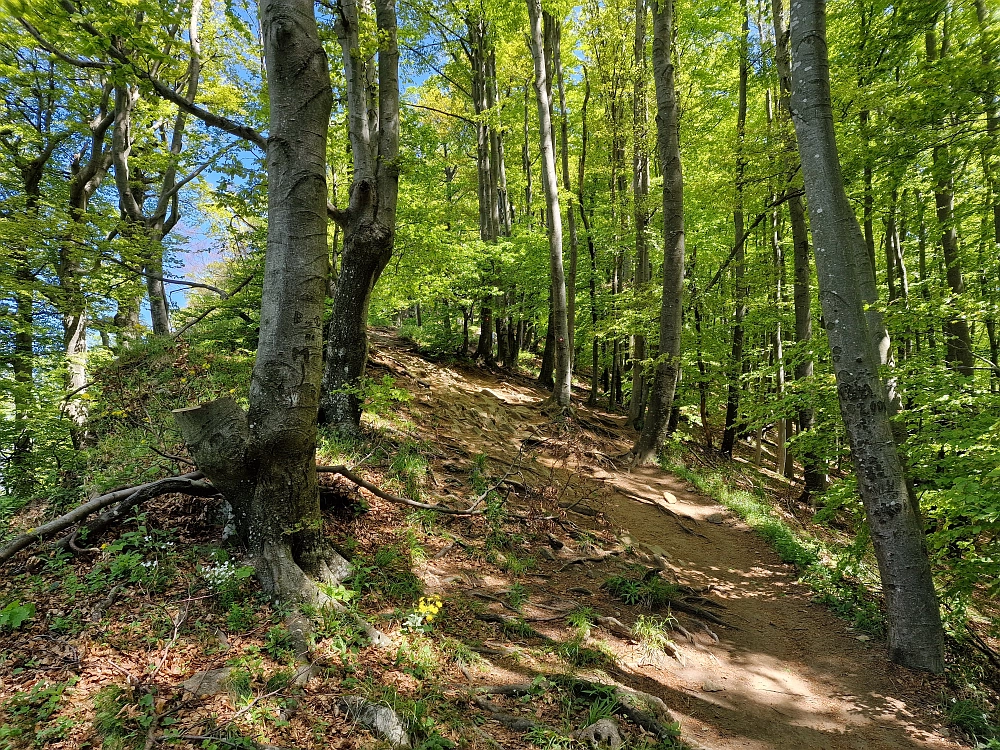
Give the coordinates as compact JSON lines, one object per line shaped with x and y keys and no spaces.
{"x":279,"y":644}
{"x":241,"y":618}
{"x":654,"y":633}
{"x":122,"y":716}
{"x":649,"y":591}
{"x":579,"y":655}
{"x":28,"y":716}
{"x":387,"y":577}
{"x":416,"y":655}
{"x":969,"y":716}
{"x":15,"y":614}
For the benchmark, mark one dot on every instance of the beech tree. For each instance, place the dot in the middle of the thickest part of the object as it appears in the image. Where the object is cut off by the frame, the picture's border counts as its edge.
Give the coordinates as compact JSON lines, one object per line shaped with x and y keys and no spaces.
{"x":916,"y":638}
{"x":553,"y":215}
{"x":661,"y":396}
{"x":369,"y":219}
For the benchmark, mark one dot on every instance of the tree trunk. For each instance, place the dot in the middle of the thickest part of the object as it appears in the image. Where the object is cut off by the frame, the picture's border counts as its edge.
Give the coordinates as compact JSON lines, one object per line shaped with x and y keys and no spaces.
{"x":915,"y":634}
{"x":661,"y":396}
{"x":265,"y":461}
{"x":570,"y":215}
{"x":735,"y":370}
{"x":369,"y":221}
{"x":640,"y":194}
{"x":562,"y":375}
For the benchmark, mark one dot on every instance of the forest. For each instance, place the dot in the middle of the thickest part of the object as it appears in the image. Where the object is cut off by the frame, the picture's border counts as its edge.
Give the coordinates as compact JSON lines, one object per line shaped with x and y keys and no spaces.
{"x":499,"y":373}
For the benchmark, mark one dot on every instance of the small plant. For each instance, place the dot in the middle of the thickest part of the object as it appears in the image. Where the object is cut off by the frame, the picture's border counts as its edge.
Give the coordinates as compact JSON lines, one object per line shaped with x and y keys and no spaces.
{"x":122,"y":718}
{"x":601,"y":708}
{"x":15,"y":614}
{"x":649,"y":591}
{"x":548,"y":739}
{"x":417,"y":657}
{"x":29,"y":721}
{"x":576,"y":653}
{"x":969,"y":716}
{"x":517,"y":595}
{"x":241,"y":618}
{"x":421,"y":620}
{"x":226,"y":580}
{"x":653,"y":633}
{"x":278,"y":643}
{"x":582,"y":619}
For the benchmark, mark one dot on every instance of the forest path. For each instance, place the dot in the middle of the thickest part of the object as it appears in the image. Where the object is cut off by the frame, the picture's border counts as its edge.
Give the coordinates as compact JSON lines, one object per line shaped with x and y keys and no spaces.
{"x":786,"y":673}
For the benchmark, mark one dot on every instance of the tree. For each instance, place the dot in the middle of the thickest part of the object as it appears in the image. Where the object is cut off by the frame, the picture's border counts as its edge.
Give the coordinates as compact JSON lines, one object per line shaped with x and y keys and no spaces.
{"x":915,"y":633}
{"x":661,"y":396}
{"x":369,"y":220}
{"x":265,"y":461}
{"x":550,"y":185}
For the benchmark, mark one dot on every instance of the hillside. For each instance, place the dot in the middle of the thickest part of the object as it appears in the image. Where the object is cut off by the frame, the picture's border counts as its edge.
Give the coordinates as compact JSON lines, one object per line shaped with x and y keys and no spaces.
{"x":584,"y":590}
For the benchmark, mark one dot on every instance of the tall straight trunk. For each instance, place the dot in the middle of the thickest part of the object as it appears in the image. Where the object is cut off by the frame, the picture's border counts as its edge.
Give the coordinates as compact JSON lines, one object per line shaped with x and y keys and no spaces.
{"x":640,"y":193}
{"x":915,"y":634}
{"x":661,"y":395}
{"x":562,"y":375}
{"x":958,"y":339}
{"x":369,"y":221}
{"x":85,"y":179}
{"x":735,"y":369}
{"x":568,"y":187}
{"x":815,"y":478}
{"x":702,"y":367}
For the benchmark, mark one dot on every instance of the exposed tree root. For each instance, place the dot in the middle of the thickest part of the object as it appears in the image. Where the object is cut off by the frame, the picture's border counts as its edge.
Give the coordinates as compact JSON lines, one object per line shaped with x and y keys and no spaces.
{"x":515,"y":723}
{"x":127,"y":498}
{"x":378,"y":492}
{"x":380,"y":719}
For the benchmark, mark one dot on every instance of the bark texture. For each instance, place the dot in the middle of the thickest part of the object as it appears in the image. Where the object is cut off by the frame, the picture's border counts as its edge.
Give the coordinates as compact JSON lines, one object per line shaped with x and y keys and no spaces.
{"x":915,"y":634}
{"x":661,"y":396}
{"x":264,"y":461}
{"x":559,"y":326}
{"x":369,"y":221}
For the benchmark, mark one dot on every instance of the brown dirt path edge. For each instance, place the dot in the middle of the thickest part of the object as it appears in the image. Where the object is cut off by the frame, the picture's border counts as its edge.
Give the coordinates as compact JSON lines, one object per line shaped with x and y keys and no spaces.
{"x":789,"y":674}
{"x":792,"y":675}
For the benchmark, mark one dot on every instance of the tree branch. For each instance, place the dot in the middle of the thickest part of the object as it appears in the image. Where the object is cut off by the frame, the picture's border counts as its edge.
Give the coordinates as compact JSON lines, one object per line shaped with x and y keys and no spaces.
{"x":375,"y":490}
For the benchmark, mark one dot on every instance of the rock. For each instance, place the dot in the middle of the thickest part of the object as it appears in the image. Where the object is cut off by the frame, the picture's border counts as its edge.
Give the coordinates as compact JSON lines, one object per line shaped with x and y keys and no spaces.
{"x":711,"y":687}
{"x":580,"y":590}
{"x":715,"y":518}
{"x":212,"y":682}
{"x":381,"y":720}
{"x":555,"y":542}
{"x":862,"y":638}
{"x":670,"y":497}
{"x":546,"y":553}
{"x":603,"y":733}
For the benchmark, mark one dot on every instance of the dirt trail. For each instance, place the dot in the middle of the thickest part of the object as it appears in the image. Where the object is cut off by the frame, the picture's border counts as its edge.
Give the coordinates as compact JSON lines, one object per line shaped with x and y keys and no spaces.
{"x":785,"y":674}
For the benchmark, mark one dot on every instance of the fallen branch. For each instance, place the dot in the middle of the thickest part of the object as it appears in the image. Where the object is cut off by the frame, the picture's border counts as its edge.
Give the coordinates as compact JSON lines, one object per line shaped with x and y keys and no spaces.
{"x":378,"y":492}
{"x":152,"y":489}
{"x":111,"y":517}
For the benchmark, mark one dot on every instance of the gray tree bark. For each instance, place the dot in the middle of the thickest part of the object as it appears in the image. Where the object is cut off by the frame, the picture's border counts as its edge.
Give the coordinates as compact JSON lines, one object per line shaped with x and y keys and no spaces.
{"x":640,"y":195}
{"x":264,"y":461}
{"x":560,"y":399}
{"x":915,"y":634}
{"x":369,"y":221}
{"x":661,"y":395}
{"x":814,"y":475}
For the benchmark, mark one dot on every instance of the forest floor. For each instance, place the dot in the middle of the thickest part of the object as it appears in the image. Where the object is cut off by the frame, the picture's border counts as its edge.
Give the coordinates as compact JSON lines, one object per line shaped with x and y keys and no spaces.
{"x":752,"y":663}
